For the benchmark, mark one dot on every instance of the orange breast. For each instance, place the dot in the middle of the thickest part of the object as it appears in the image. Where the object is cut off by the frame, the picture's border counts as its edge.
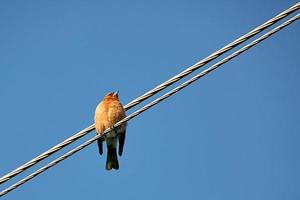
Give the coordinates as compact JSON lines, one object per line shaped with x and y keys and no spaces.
{"x":108,"y":112}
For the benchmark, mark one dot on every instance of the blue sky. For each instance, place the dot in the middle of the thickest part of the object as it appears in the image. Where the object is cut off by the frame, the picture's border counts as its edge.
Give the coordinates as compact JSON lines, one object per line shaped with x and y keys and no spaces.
{"x":233,"y":134}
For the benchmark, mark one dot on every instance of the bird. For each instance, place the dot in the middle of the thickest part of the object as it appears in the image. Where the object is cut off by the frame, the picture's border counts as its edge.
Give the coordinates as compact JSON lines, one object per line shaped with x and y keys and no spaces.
{"x":108,"y":112}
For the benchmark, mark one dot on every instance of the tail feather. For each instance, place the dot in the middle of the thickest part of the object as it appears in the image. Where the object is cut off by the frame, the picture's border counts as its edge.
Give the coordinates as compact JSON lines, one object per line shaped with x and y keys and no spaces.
{"x":112,"y":158}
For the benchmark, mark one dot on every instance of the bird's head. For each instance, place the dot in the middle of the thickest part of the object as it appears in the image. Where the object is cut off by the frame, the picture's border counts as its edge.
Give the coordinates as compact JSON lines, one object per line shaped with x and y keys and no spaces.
{"x":113,"y":95}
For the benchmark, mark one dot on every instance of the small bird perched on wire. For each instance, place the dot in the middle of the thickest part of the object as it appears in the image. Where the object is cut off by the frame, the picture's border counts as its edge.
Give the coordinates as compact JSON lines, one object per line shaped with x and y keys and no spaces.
{"x":108,"y":112}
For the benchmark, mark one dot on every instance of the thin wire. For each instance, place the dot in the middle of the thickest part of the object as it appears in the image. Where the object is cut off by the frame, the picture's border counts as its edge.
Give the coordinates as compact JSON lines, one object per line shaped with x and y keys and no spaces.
{"x":153,"y":91}
{"x":151,"y":104}
{"x":213,"y":56}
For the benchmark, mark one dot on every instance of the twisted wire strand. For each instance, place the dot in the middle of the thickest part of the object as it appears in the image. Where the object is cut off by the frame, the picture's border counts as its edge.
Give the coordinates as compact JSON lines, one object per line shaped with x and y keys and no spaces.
{"x":151,"y":104}
{"x":152,"y":92}
{"x":213,"y":56}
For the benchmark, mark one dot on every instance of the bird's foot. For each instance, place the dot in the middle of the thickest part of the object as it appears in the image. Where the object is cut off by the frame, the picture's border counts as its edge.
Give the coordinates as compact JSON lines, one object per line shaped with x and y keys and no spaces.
{"x":114,"y":128}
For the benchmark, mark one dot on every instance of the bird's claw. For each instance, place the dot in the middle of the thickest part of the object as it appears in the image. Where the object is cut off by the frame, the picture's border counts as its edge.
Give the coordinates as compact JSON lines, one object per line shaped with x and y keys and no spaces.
{"x":113,"y":128}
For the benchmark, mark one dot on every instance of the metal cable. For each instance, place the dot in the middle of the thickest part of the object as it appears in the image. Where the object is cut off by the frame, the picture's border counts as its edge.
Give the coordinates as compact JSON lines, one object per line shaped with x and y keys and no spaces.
{"x":153,"y":91}
{"x":151,"y":104}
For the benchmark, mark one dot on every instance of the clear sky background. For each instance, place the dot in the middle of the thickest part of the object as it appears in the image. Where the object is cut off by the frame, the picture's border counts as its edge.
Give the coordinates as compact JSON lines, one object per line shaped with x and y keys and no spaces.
{"x":232,"y":135}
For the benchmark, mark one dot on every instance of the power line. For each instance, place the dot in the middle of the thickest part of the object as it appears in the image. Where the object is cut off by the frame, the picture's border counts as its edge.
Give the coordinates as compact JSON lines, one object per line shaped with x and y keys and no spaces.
{"x":153,"y":91}
{"x":153,"y":103}
{"x":213,"y":56}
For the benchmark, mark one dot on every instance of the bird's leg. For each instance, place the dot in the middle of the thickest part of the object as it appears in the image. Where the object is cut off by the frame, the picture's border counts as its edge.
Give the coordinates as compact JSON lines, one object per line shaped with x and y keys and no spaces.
{"x":113,"y":128}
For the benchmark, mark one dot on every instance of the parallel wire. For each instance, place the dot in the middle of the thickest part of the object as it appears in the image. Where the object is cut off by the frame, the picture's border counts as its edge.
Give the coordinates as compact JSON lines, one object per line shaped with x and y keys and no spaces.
{"x":213,"y":56}
{"x":153,"y":91}
{"x":151,"y":104}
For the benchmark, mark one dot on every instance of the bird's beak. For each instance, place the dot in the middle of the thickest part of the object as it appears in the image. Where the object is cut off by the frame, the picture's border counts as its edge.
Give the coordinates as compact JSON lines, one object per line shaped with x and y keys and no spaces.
{"x":116,"y":93}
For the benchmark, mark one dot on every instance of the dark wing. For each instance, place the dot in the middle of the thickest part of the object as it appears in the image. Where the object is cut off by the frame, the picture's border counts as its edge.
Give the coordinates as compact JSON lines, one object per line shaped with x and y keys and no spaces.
{"x":100,"y":145}
{"x":121,"y":142}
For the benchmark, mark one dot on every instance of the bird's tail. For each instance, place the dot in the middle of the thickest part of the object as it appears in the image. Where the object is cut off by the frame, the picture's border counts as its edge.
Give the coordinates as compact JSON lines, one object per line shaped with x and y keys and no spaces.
{"x":112,"y":158}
